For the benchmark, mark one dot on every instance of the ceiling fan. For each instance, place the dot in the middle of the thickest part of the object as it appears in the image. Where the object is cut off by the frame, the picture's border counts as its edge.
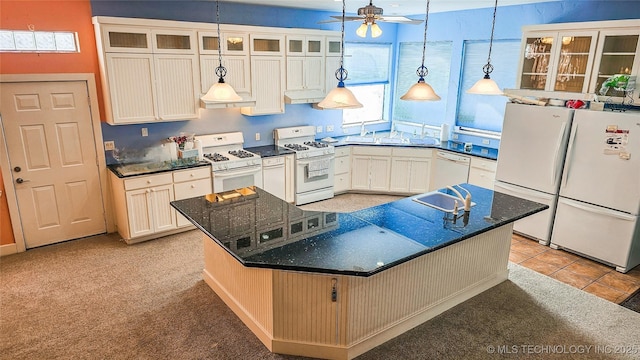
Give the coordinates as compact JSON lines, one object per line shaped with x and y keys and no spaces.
{"x":369,"y":15}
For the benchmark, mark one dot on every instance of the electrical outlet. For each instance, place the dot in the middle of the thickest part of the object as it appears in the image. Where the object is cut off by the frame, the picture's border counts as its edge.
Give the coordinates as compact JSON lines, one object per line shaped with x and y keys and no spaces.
{"x":484,"y":151}
{"x":318,"y":129}
{"x":257,"y":136}
{"x":455,"y":136}
{"x":329,"y":128}
{"x":485,"y":141}
{"x":109,"y":145}
{"x":145,"y":132}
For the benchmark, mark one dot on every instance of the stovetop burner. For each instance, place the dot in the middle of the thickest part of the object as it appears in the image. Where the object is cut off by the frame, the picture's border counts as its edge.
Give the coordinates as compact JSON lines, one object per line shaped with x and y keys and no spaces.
{"x":296,"y":147}
{"x":316,"y":144}
{"x":216,"y":157}
{"x":241,"y":153}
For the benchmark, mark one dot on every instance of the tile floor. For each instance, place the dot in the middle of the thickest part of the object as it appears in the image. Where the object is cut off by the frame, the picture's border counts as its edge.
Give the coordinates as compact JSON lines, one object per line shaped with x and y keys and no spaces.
{"x":590,"y":276}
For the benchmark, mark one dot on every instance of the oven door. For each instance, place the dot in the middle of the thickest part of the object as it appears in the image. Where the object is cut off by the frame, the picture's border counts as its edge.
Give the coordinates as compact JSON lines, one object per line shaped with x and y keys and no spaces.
{"x":226,"y":180}
{"x":312,"y":174}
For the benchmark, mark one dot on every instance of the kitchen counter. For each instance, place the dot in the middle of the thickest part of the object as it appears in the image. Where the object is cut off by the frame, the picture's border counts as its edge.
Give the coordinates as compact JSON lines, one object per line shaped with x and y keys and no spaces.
{"x":451,"y":145}
{"x":335,"y":285}
{"x":360,"y":243}
{"x":148,"y":168}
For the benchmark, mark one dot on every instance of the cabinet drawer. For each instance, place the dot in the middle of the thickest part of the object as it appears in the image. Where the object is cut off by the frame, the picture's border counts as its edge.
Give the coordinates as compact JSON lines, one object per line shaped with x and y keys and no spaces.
{"x":483,"y":178}
{"x":343,"y":151}
{"x":483,"y":164}
{"x":192,"y":174}
{"x":272,"y":161}
{"x":342,"y":165}
{"x":147,"y":181}
{"x":412,"y":152}
{"x":372,"y":150}
{"x":191,"y":189}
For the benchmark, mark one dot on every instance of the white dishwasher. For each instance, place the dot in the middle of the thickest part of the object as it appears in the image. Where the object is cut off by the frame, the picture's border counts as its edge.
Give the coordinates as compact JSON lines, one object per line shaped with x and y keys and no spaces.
{"x":450,"y":169}
{"x":273,"y":176}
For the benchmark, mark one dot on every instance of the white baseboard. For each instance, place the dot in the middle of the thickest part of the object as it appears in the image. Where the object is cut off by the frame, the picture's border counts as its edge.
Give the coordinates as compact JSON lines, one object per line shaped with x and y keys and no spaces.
{"x":8,"y":249}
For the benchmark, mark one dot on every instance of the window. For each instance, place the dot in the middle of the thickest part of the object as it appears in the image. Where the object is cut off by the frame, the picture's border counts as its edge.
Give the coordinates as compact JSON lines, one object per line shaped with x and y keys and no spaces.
{"x":483,"y":112}
{"x":40,"y":41}
{"x":369,"y":67}
{"x":438,"y":62}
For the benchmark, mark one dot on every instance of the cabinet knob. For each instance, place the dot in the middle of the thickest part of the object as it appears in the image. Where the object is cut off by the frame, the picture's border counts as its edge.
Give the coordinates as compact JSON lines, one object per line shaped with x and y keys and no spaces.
{"x":148,"y":181}
{"x":193,"y":186}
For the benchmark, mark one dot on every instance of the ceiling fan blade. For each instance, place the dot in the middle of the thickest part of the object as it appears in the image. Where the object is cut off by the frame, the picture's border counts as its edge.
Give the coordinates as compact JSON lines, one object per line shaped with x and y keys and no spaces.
{"x":399,"y":19}
{"x":339,"y":19}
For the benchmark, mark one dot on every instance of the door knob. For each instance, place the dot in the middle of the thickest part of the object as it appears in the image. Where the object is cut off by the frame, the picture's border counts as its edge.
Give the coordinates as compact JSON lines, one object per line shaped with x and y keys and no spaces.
{"x":21,"y":180}
{"x":17,"y":169}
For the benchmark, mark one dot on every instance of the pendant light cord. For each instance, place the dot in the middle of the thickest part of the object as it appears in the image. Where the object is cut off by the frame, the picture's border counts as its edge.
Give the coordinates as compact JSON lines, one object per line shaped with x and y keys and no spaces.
{"x":341,"y":74}
{"x":424,"y":40}
{"x":221,"y":71}
{"x":489,"y":68}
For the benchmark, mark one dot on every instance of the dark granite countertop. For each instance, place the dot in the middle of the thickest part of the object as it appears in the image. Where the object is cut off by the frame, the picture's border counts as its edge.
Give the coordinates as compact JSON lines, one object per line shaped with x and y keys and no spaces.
{"x":150,"y":168}
{"x":260,"y":230}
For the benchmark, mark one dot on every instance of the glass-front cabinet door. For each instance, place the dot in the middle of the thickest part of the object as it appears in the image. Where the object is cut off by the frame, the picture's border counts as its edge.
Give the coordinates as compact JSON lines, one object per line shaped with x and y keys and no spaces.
{"x":538,"y":50}
{"x":174,"y":41}
{"x":557,"y":61}
{"x":233,"y":43}
{"x":617,"y":54}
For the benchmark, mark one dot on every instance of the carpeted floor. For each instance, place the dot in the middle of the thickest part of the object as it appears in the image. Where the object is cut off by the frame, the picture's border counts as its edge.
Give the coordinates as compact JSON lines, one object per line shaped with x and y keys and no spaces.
{"x":98,"y":298}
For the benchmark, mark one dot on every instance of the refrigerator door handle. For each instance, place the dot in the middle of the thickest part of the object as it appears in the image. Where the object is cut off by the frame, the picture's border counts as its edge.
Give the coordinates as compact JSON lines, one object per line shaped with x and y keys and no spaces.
{"x":565,"y":176}
{"x":600,"y":211}
{"x":554,"y":170}
{"x":520,"y":190}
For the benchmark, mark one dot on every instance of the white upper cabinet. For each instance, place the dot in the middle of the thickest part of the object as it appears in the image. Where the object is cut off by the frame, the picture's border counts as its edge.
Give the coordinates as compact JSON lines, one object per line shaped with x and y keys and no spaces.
{"x":333,"y":46}
{"x":557,"y":61}
{"x":301,"y":45}
{"x":267,"y":44}
{"x":149,"y":75}
{"x":234,"y":43}
{"x":573,"y":60}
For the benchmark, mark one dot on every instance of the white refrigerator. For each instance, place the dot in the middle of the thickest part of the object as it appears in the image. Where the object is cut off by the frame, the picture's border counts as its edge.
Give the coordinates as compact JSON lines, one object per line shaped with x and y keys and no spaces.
{"x":597,"y":212}
{"x":530,"y":160}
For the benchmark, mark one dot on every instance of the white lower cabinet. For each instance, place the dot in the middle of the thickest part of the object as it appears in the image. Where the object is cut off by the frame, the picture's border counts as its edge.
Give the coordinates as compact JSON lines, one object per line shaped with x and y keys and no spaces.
{"x":410,"y":170}
{"x":191,"y":183}
{"x":370,"y":168}
{"x":342,"y":172}
{"x":142,"y":203}
{"x":482,"y":172}
{"x":278,"y":176}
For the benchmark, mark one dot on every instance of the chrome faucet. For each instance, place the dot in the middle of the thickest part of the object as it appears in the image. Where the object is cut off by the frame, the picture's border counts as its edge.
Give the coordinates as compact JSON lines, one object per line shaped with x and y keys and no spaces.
{"x":363,"y":131}
{"x":466,"y":200}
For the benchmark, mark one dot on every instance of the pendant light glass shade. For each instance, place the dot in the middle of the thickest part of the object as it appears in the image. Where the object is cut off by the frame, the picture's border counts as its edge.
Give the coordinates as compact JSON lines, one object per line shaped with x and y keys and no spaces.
{"x":340,"y":97}
{"x":421,"y":91}
{"x":220,"y":91}
{"x":486,"y":86}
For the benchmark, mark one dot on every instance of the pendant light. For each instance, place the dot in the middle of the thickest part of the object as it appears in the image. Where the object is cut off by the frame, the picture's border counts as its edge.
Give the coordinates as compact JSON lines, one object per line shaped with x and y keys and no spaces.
{"x":220,"y":91}
{"x":340,"y":97}
{"x":421,"y":91}
{"x":486,"y":86}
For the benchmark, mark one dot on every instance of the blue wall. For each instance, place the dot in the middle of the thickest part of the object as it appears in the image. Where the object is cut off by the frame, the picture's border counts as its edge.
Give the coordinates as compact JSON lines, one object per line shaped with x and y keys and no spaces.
{"x":453,"y":26}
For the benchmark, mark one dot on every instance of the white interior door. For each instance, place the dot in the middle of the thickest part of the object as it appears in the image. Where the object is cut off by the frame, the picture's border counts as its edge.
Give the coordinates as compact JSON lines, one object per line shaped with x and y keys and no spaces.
{"x":51,"y":149}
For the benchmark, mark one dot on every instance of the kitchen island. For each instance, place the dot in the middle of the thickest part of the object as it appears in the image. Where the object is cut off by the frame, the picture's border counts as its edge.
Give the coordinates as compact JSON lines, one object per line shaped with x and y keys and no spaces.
{"x":335,"y":285}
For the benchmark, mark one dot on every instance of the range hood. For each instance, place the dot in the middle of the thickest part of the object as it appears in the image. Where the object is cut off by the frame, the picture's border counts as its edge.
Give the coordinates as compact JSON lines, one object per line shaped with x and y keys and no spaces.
{"x":303,"y":96}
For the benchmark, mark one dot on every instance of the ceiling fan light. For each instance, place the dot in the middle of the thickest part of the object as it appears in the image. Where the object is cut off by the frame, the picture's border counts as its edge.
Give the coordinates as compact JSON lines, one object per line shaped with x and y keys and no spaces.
{"x":420,"y":91}
{"x":221,"y":91}
{"x":375,"y":30}
{"x":485,"y":86}
{"x":340,"y":98}
{"x":362,"y":30}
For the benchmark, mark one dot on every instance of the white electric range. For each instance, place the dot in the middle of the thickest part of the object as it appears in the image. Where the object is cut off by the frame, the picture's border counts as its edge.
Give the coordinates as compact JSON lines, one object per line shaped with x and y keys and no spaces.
{"x":232,"y":166}
{"x":314,"y":163}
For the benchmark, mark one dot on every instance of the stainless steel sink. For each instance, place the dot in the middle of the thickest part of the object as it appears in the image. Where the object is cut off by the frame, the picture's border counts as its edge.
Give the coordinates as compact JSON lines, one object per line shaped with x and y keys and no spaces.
{"x":441,"y":201}
{"x":425,"y":141}
{"x":386,"y":140}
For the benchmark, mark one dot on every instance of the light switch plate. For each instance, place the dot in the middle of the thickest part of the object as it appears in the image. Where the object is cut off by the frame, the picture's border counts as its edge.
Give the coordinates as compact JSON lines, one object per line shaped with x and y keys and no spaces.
{"x":109,"y":145}
{"x":318,"y":129}
{"x":145,"y":132}
{"x":485,"y":141}
{"x":329,"y":128}
{"x":257,"y":136}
